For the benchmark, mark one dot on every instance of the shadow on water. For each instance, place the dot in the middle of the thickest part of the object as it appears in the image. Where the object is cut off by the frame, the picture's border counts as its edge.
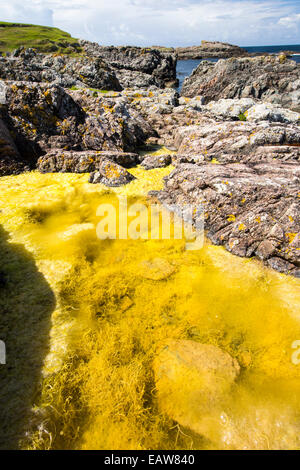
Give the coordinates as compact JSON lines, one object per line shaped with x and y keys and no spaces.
{"x":26,"y":304}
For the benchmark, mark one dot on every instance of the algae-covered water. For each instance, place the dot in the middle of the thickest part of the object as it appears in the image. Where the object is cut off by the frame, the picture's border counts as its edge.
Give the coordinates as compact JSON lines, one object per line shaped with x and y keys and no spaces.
{"x":84,"y":318}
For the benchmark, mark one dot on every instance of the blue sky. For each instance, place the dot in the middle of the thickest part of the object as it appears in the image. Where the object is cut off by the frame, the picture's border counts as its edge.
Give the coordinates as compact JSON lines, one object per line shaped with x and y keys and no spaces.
{"x":165,"y":22}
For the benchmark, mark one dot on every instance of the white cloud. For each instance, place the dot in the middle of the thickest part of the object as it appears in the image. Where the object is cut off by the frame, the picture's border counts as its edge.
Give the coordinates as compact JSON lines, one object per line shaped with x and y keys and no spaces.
{"x":292,"y":21}
{"x":165,"y":22}
{"x":26,"y":12}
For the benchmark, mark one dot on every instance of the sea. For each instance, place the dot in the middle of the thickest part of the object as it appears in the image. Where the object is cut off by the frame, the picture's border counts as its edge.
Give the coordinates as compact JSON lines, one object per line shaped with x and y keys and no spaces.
{"x":185,"y":67}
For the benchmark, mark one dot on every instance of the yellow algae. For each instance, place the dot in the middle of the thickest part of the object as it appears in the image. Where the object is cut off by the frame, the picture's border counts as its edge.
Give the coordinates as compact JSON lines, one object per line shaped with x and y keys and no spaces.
{"x":157,"y":150}
{"x":291,"y":236}
{"x":116,"y":303}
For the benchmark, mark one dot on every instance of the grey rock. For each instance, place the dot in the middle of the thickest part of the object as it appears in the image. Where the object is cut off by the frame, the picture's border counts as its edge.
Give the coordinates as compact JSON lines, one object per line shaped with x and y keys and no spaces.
{"x":229,"y":108}
{"x":10,"y":159}
{"x":271,"y":112}
{"x":234,"y":142}
{"x":156,"y":161}
{"x":210,"y":49}
{"x":43,"y":117}
{"x":135,"y":66}
{"x":253,"y":210}
{"x":83,"y":161}
{"x":65,"y":71}
{"x":110,"y":174}
{"x":268,"y":78}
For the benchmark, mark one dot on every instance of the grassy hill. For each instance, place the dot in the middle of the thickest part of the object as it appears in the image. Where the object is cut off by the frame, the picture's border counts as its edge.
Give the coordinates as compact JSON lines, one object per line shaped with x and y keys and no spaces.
{"x":43,"y":38}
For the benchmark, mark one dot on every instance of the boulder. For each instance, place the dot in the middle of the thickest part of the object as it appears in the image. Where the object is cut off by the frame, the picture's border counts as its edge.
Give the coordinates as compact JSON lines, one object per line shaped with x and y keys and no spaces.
{"x":155,"y":269}
{"x":82,"y":162}
{"x":39,"y":116}
{"x":271,"y":112}
{"x":156,"y":161}
{"x":229,"y":108}
{"x":268,"y":78}
{"x":110,"y":174}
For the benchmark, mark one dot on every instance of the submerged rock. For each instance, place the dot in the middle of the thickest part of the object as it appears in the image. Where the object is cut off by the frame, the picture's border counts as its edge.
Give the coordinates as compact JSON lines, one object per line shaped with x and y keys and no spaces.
{"x":75,"y":230}
{"x":192,"y":379}
{"x":156,"y":269}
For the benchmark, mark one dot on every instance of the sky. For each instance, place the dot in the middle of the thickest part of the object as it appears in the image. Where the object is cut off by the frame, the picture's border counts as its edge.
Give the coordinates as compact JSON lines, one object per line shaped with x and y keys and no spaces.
{"x":164,"y":22}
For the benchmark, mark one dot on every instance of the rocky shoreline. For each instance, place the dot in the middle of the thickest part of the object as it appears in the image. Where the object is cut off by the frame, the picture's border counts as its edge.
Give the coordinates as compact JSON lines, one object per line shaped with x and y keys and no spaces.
{"x":215,"y":50}
{"x":235,"y":133}
{"x":207,"y":50}
{"x":210,"y":49}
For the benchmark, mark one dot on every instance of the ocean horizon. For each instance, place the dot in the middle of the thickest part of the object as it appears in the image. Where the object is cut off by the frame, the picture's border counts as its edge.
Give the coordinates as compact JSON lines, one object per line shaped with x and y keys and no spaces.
{"x":273,"y":49}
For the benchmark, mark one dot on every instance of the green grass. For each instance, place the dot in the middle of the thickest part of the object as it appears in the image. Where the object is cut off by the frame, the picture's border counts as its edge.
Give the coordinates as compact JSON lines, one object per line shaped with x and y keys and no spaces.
{"x":95,"y":90}
{"x":242,"y":117}
{"x":43,"y":38}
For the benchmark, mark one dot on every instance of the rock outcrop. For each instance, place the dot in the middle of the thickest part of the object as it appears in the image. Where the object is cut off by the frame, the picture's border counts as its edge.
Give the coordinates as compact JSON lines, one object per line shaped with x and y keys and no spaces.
{"x":42,"y":117}
{"x":84,"y":161}
{"x":28,"y":65}
{"x":10,"y":159}
{"x":136,"y":67}
{"x":271,"y":79}
{"x":253,"y":210}
{"x":103,"y":167}
{"x":210,"y":49}
{"x":247,"y":109}
{"x":237,"y":141}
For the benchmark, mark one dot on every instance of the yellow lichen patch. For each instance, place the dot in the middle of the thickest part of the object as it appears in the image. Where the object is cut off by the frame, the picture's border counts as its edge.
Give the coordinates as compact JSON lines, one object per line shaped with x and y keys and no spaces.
{"x":112,"y":171}
{"x":242,"y":227}
{"x":95,"y":387}
{"x":291,"y":236}
{"x":231,"y":218}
